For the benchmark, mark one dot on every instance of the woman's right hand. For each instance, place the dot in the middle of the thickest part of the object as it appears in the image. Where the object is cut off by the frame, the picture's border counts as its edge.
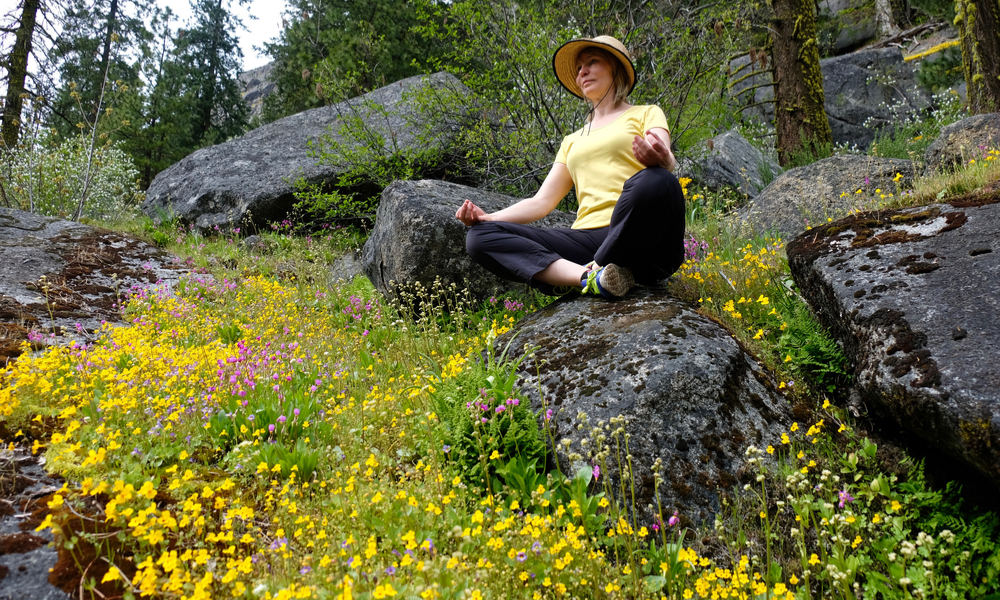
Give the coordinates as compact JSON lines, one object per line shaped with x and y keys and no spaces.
{"x":470,"y":214}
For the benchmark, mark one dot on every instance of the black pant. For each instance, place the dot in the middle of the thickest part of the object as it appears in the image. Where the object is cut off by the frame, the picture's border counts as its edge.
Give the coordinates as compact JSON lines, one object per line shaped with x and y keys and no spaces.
{"x":646,"y":234}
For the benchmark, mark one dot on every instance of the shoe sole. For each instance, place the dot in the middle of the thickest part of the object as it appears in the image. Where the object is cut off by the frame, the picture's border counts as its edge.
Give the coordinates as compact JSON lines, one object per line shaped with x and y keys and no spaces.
{"x":616,"y":280}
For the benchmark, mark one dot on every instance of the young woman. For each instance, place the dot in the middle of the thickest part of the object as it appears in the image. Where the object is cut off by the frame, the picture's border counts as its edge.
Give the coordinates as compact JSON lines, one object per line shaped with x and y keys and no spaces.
{"x":630,"y":221}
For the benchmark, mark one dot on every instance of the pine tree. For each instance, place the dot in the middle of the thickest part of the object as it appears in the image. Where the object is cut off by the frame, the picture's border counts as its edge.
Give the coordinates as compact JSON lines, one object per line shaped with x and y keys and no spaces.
{"x":17,"y":69}
{"x":370,"y":41}
{"x":799,"y":113}
{"x":93,"y":49}
{"x":26,"y":40}
{"x":157,"y":128}
{"x":208,"y":51}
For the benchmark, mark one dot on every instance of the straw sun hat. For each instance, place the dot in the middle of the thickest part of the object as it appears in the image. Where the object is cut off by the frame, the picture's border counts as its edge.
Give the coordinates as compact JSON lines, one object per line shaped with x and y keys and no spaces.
{"x":564,"y":60}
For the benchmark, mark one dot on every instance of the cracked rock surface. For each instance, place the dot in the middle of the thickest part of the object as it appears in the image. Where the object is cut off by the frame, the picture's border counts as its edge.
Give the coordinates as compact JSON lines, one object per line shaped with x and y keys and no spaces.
{"x":690,"y":393}
{"x":87,"y":271}
{"x":911,"y":295}
{"x":26,"y":556}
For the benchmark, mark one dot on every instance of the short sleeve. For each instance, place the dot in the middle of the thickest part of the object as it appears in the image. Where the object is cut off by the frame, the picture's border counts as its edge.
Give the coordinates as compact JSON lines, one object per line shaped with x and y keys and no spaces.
{"x":654,"y":117}
{"x":563,"y":153}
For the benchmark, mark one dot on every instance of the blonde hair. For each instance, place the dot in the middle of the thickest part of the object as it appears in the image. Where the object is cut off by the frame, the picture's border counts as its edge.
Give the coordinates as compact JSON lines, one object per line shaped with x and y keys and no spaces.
{"x":619,"y":77}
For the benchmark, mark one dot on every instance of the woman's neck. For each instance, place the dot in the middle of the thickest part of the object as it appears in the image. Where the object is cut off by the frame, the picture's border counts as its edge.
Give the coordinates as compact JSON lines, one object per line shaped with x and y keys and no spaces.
{"x":606,"y":110}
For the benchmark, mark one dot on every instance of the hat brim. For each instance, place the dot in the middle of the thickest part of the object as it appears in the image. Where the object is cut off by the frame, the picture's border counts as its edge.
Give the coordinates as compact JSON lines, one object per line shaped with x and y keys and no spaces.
{"x":564,"y":63}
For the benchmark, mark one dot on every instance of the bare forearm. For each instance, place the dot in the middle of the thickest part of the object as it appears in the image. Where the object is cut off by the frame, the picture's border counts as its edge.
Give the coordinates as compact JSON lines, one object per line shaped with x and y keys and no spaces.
{"x":528,"y":210}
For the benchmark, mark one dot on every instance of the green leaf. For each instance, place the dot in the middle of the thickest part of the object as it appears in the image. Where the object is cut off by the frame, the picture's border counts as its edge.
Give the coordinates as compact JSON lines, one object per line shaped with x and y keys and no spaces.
{"x":654,"y":583}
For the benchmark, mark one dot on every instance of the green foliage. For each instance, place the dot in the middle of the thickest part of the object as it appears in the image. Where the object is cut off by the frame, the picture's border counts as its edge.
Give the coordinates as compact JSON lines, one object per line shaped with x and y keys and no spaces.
{"x":941,"y":10}
{"x":493,"y":433}
{"x":353,"y":46}
{"x":157,"y":127}
{"x":229,"y":333}
{"x":367,"y":150}
{"x":282,"y":420}
{"x":300,"y":459}
{"x":943,"y":71}
{"x":809,"y":349}
{"x":508,"y":130}
{"x":211,"y":56}
{"x":976,"y":531}
{"x":47,"y":176}
{"x":96,"y":37}
{"x":834,"y":519}
{"x":313,"y":204}
{"x":809,"y":153}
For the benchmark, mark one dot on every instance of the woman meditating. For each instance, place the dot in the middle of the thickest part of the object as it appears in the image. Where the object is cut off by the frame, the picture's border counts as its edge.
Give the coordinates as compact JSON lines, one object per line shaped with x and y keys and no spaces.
{"x":630,"y":221}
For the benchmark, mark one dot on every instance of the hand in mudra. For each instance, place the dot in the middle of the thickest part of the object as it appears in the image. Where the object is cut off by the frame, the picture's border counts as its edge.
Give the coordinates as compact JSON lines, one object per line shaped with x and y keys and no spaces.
{"x":470,"y":214}
{"x":650,"y":150}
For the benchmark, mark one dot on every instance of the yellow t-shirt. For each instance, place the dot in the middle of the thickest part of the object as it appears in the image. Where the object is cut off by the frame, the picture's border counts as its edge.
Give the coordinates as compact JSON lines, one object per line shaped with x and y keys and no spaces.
{"x":600,"y":161}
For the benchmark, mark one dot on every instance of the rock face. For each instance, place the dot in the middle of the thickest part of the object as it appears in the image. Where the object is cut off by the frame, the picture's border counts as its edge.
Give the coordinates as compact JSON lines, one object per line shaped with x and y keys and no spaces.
{"x":86,"y":270}
{"x":963,"y":140}
{"x":809,"y":195}
{"x":252,"y":177}
{"x":911,"y":294}
{"x":27,"y":558}
{"x":347,"y":267}
{"x":732,"y":161}
{"x":691,"y":395}
{"x":845,"y":24}
{"x":417,"y":238}
{"x":859,"y":88}
{"x":257,"y":86}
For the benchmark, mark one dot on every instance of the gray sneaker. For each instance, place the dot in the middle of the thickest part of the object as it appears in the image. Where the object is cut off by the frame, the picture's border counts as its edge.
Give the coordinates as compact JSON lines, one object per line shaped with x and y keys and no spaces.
{"x":610,"y":281}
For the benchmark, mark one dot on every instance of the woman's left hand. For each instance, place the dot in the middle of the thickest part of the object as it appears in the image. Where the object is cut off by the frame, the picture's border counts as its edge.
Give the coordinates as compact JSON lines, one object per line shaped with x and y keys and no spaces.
{"x":652,"y":151}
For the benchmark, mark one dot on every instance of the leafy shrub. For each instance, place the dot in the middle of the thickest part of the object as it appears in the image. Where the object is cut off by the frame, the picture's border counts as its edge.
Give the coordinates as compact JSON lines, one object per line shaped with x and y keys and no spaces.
{"x":47,"y":177}
{"x":498,"y":424}
{"x":942,"y":72}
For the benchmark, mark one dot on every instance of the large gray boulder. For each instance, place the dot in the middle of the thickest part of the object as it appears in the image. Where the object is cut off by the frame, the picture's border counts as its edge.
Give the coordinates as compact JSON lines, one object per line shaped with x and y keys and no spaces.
{"x":845,"y":24}
{"x":911,"y":295}
{"x":87,"y":272}
{"x":252,"y":177}
{"x":865,"y":92}
{"x":731,"y":161}
{"x":687,"y":393}
{"x":870,"y":91}
{"x":808,"y":196}
{"x":418,"y":240}
{"x":970,"y":138}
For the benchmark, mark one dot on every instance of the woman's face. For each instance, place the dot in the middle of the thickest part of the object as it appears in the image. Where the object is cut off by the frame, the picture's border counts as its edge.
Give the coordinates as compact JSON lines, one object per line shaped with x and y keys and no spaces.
{"x":594,"y":75}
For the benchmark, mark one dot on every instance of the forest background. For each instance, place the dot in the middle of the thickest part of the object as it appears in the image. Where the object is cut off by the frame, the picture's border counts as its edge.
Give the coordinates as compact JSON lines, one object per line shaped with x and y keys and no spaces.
{"x":122,"y":85}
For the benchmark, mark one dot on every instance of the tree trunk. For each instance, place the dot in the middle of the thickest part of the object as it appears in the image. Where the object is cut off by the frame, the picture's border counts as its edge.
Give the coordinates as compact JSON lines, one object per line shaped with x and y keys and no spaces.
{"x":979,"y":31}
{"x":18,"y":73}
{"x":108,"y":35}
{"x":799,"y":113}
{"x":884,"y":21}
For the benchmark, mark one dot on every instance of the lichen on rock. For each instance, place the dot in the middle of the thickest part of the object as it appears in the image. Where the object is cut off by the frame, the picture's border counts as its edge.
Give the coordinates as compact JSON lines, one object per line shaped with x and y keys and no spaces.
{"x":678,"y":384}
